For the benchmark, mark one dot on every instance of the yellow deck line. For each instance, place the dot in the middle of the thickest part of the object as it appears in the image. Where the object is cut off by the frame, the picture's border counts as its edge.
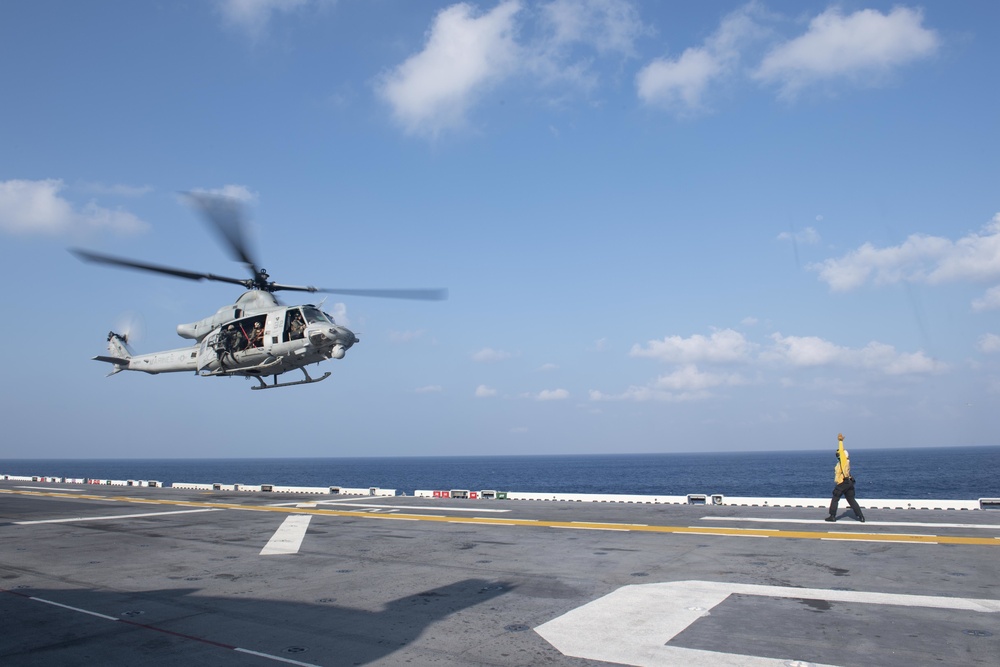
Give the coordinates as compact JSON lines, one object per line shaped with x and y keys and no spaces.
{"x":507,"y":521}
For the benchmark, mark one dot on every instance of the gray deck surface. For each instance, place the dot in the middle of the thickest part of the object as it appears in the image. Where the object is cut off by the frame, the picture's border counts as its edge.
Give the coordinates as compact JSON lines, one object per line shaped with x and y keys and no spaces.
{"x":408,"y":581}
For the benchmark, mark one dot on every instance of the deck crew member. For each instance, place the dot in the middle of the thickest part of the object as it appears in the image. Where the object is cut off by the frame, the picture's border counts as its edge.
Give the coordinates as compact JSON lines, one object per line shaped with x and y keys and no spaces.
{"x":843,"y":484}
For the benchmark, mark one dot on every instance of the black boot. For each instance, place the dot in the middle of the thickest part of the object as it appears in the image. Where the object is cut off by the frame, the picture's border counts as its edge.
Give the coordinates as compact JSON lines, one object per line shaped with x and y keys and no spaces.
{"x":832,"y":517}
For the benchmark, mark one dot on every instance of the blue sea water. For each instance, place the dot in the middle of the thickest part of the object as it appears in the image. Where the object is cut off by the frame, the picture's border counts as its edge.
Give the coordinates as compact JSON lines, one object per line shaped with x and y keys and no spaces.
{"x":963,"y":473}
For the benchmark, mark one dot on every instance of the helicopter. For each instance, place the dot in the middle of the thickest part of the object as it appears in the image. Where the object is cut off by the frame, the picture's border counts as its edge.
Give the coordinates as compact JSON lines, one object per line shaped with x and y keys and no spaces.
{"x":255,"y":337}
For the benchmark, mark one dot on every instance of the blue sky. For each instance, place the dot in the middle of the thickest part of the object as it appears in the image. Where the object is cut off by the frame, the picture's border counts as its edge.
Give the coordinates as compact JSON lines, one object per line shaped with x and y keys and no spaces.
{"x":665,"y":227}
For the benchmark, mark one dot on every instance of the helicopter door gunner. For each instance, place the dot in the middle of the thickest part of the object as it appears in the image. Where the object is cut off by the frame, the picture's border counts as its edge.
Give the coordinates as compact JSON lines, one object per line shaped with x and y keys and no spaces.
{"x":256,"y":335}
{"x":226,"y":344}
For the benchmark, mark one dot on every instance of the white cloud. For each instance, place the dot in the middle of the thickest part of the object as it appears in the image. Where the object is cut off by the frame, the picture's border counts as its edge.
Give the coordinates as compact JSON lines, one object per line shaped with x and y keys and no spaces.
{"x":35,"y":207}
{"x":339,"y":312}
{"x":405,"y":336}
{"x":489,"y":355}
{"x":552,"y":395}
{"x":482,"y":391}
{"x":572,"y":30}
{"x":685,"y":384}
{"x":989,"y":301}
{"x":547,"y":367}
{"x":253,"y":16}
{"x":864,"y":46}
{"x":464,"y":56}
{"x":468,"y":53}
{"x":610,"y":26}
{"x":238,"y":192}
{"x":722,"y":346}
{"x":812,"y":351}
{"x":681,"y":83}
{"x":989,"y":343}
{"x":429,"y":389}
{"x":808,"y":236}
{"x":919,"y":259}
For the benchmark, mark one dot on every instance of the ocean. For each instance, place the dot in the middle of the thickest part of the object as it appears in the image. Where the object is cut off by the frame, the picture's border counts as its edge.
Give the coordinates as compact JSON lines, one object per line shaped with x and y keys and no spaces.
{"x":947,"y":473}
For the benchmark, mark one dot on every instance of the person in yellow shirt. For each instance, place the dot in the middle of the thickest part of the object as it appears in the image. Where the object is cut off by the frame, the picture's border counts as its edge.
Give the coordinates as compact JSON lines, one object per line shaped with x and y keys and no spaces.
{"x":843,"y":483}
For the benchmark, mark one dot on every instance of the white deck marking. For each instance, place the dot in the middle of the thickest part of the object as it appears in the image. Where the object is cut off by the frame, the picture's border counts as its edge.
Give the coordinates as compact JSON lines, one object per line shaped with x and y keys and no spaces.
{"x":344,"y":503}
{"x":633,"y":625}
{"x":66,"y":606}
{"x":288,"y":538}
{"x":48,"y":488}
{"x":858,"y":524}
{"x":110,"y":518}
{"x":277,"y":658}
{"x":202,"y":640}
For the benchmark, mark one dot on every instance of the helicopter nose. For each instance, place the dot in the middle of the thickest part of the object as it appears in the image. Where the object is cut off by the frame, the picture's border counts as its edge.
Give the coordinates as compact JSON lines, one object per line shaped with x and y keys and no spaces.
{"x":341,"y":337}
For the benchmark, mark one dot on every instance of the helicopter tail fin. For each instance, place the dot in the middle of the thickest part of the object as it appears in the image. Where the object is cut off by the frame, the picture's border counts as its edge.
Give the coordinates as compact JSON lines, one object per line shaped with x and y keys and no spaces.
{"x":120,"y":353}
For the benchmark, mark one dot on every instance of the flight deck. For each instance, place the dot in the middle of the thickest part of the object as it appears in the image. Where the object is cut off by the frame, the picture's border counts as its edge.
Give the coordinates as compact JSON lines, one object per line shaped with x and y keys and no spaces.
{"x":166,"y":576}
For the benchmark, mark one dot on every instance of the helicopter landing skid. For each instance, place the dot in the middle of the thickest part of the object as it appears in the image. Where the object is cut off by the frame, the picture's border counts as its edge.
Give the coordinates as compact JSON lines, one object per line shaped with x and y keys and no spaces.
{"x":275,"y":385}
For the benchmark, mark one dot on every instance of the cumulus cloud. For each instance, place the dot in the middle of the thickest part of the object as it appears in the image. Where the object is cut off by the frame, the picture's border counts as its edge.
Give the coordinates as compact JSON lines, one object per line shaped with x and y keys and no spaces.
{"x":812,"y":351}
{"x":238,"y":192}
{"x":339,"y":312}
{"x":989,"y":301}
{"x":482,"y":391}
{"x":989,"y":343}
{"x":722,"y":346}
{"x":429,"y":389}
{"x":489,"y":355}
{"x":681,"y":83}
{"x":405,"y":336}
{"x":610,"y":26}
{"x":685,"y":384}
{"x":552,"y":395}
{"x":253,"y":16}
{"x":572,"y":30}
{"x":464,"y":56}
{"x":808,"y":236}
{"x":468,"y":53}
{"x":36,"y":207}
{"x":920,"y":259}
{"x":862,"y":46}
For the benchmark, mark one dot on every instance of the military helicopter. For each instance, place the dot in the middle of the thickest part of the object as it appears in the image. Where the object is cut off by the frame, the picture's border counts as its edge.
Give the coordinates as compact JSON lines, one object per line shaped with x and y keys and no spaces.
{"x":257,"y":336}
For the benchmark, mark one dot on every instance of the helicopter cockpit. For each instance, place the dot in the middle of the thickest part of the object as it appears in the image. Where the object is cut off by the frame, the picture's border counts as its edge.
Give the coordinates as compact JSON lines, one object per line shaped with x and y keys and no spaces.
{"x":299,"y":317}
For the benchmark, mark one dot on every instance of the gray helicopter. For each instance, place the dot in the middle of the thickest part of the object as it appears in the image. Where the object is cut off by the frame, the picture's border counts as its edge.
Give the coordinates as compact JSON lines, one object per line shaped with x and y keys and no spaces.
{"x":257,"y":336}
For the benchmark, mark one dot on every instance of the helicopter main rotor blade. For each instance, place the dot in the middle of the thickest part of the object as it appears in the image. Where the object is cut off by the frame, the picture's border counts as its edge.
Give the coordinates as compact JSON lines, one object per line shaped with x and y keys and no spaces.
{"x":89,"y":256}
{"x":227,"y":218}
{"x":412,"y":294}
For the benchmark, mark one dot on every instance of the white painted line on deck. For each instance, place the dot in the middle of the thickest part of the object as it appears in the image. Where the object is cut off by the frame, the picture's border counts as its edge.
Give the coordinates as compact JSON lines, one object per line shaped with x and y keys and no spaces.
{"x":111,"y":518}
{"x":49,"y":488}
{"x":172,"y":633}
{"x":852,"y":522}
{"x":66,"y":606}
{"x":288,"y":538}
{"x":425,"y":508}
{"x":275,"y":657}
{"x":635,"y":624}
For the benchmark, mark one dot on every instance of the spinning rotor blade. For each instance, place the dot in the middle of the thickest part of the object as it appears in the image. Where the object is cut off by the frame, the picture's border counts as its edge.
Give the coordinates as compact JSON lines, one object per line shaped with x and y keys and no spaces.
{"x":89,"y":256}
{"x":227,"y":218}
{"x":413,"y":294}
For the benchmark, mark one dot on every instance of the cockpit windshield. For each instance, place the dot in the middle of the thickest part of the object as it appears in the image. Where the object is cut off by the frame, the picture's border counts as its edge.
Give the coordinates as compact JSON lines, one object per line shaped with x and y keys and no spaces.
{"x":315,"y":315}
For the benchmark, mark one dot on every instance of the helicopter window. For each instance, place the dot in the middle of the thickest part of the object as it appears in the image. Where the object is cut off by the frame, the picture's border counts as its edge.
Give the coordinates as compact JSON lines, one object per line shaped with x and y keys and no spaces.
{"x":294,"y":324}
{"x":314,"y":315}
